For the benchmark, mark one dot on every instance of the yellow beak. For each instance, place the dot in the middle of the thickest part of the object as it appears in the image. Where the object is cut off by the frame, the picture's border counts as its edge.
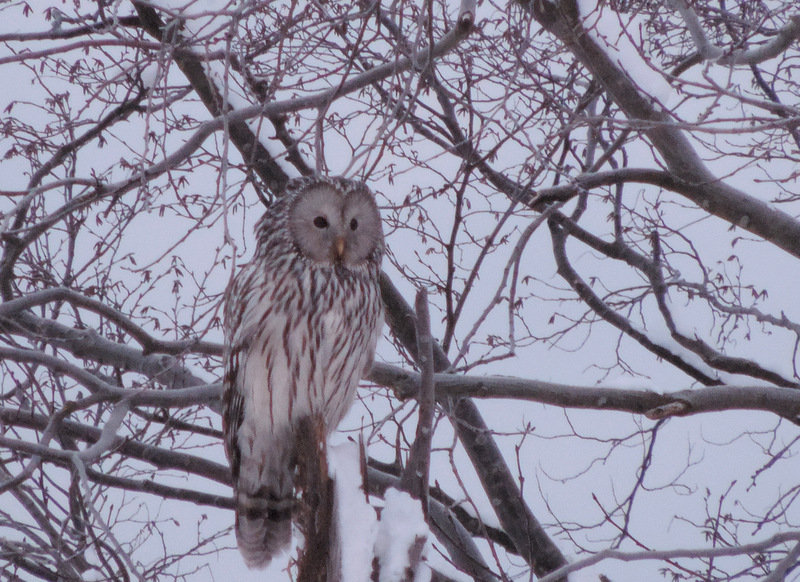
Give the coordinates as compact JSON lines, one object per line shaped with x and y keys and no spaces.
{"x":339,"y":247}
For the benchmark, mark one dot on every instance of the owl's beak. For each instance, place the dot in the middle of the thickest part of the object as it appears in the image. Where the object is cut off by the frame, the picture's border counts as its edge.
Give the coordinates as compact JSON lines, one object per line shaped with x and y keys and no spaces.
{"x":338,"y":246}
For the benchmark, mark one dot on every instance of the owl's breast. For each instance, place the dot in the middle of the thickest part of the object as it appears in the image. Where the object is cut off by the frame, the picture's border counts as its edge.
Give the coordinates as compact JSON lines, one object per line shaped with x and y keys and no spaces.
{"x":309,"y":343}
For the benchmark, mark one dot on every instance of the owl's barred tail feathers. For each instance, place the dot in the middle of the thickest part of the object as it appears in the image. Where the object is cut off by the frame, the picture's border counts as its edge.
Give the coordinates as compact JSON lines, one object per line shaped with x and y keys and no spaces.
{"x":263,"y":527}
{"x":264,"y":489}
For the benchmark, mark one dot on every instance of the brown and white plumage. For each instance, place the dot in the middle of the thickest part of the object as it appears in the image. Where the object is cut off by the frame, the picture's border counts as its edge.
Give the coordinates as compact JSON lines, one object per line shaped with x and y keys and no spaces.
{"x":301,"y":323}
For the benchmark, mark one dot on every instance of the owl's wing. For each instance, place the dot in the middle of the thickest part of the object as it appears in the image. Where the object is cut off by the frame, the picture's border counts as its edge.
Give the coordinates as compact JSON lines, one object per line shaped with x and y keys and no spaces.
{"x":233,"y":391}
{"x":233,"y":408}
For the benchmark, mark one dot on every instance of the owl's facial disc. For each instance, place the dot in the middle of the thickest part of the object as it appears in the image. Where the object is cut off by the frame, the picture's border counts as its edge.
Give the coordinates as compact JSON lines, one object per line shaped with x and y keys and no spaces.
{"x":332,"y":227}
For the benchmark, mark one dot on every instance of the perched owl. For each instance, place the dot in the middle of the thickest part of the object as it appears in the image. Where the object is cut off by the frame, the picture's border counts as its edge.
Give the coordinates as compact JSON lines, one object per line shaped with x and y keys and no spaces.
{"x":301,"y":323}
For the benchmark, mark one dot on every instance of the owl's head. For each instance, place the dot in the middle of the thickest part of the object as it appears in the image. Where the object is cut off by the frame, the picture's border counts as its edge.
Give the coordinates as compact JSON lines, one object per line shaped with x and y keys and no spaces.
{"x":336,"y":221}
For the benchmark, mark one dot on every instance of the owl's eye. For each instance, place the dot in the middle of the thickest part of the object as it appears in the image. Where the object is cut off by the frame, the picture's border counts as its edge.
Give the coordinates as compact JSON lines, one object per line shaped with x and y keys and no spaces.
{"x":353,"y":224}
{"x":321,"y":222}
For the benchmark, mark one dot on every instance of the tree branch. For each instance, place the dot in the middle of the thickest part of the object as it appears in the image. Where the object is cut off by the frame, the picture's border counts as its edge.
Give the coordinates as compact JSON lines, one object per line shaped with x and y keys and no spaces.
{"x":737,"y":550}
{"x":709,"y":193}
{"x":753,"y":56}
{"x":242,"y":136}
{"x":415,"y":479}
{"x":529,"y":537}
{"x":87,"y":344}
{"x":158,"y":457}
{"x":149,"y":344}
{"x":784,"y":402}
{"x":597,"y":305}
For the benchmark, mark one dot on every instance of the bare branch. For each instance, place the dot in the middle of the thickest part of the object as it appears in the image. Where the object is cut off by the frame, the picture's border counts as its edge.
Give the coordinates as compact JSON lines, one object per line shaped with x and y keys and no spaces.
{"x":150,"y":344}
{"x":415,"y":478}
{"x":530,"y":539}
{"x":784,"y":402}
{"x":742,"y":56}
{"x":755,"y":547}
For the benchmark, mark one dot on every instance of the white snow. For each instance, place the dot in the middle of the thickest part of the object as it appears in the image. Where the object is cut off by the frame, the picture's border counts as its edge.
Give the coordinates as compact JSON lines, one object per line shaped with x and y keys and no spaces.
{"x":486,"y":515}
{"x":402,"y":527}
{"x":355,"y":518}
{"x":150,"y":75}
{"x":606,"y":28}
{"x":402,"y":523}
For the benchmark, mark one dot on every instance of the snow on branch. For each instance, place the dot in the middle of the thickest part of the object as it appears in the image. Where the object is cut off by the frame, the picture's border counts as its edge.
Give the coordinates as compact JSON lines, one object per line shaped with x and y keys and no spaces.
{"x":610,"y":34}
{"x":448,"y":529}
{"x":401,"y":538}
{"x":354,"y":518}
{"x":387,"y":550}
{"x":108,"y":435}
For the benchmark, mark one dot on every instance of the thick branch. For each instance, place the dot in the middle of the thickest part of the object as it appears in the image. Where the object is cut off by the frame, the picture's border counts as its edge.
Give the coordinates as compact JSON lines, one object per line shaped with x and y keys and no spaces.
{"x":415,"y":476}
{"x":784,"y":402}
{"x":147,"y":341}
{"x":161,"y":490}
{"x":660,"y":178}
{"x":758,"y":548}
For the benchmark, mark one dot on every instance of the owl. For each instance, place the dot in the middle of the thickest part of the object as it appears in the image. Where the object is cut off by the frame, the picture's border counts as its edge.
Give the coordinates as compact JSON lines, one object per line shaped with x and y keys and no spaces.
{"x":301,"y":322}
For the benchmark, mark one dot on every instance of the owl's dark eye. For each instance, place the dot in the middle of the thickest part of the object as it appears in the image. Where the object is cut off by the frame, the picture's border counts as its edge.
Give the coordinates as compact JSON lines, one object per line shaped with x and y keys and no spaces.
{"x":321,"y":222}
{"x":353,"y":224}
